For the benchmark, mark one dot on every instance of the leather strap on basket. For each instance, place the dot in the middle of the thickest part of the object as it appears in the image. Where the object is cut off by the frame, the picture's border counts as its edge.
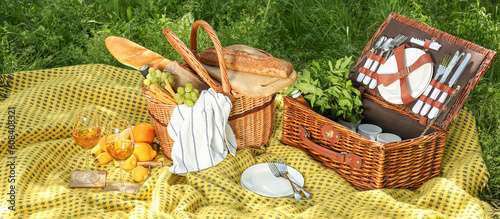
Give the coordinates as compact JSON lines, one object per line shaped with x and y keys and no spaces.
{"x":377,"y":58}
{"x":349,"y":159}
{"x":403,"y":72}
{"x":428,"y":43}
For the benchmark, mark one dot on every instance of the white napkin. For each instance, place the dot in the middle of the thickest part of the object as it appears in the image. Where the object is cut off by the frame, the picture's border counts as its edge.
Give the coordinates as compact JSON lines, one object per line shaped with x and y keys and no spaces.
{"x":202,"y":134}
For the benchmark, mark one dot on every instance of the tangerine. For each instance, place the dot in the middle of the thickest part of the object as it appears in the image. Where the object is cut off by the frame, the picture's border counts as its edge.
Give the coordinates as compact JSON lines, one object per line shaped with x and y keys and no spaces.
{"x":144,"y":132}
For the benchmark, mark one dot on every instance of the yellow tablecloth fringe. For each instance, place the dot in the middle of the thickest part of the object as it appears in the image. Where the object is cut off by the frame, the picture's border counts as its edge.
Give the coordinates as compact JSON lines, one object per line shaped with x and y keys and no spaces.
{"x":39,"y":153}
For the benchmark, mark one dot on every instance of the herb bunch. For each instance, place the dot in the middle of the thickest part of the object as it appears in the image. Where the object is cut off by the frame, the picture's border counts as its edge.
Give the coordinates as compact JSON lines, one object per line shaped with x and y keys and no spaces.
{"x":329,"y":90}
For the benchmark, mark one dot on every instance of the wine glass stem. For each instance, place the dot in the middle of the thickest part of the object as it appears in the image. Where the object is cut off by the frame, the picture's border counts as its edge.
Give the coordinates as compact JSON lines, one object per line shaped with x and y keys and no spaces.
{"x":121,"y":175}
{"x":87,"y":160}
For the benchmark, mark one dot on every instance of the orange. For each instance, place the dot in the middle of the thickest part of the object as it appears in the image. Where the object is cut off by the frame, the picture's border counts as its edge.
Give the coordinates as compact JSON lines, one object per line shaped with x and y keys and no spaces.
{"x":144,"y":132}
{"x":144,"y":152}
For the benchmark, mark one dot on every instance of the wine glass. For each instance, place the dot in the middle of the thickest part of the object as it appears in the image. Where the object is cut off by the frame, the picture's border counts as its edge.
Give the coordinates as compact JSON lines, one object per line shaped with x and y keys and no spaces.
{"x":120,"y":144}
{"x":87,"y":133}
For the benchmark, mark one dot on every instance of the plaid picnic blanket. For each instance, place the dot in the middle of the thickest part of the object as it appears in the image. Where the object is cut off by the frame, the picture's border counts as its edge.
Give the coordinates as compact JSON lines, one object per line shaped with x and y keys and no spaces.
{"x":38,"y":155}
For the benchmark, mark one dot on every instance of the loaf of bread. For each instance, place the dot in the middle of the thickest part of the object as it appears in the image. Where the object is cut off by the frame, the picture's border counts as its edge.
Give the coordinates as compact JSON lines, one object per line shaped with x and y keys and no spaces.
{"x":134,"y":55}
{"x":246,"y":62}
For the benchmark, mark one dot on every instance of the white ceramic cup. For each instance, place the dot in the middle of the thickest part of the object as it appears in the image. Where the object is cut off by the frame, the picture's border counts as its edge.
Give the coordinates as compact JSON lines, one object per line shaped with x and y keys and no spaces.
{"x":369,"y":131}
{"x":387,"y":137}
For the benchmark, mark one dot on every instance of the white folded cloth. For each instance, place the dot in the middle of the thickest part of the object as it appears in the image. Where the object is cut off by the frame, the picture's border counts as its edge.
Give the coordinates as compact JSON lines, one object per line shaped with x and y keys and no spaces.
{"x":202,"y":134}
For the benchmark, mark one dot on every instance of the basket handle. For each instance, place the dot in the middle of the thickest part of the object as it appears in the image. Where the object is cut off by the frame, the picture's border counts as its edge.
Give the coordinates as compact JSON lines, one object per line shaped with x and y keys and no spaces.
{"x":332,"y":136}
{"x":193,"y":62}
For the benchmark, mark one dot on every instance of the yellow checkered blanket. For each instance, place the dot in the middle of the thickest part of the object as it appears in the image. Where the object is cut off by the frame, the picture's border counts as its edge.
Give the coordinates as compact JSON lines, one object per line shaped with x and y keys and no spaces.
{"x":39,"y":154}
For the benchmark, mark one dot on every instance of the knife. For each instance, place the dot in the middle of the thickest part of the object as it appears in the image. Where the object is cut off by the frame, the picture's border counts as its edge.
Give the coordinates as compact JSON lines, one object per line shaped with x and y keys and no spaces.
{"x":452,"y":81}
{"x":436,"y":92}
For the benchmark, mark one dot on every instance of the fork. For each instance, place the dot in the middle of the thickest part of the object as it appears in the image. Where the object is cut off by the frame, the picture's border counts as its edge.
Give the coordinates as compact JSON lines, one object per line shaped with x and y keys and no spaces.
{"x":395,"y":43}
{"x":284,"y":172}
{"x":445,"y":61}
{"x":277,"y":173}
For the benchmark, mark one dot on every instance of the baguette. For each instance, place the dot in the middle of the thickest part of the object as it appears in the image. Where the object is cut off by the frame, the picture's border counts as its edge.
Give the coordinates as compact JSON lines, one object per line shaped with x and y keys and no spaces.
{"x":134,"y":55}
{"x":247,"y":62}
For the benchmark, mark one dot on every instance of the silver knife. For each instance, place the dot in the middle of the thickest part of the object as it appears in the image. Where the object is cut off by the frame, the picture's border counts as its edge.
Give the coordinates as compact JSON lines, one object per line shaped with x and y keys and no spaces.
{"x":459,"y":70}
{"x":434,"y":111}
{"x":435,"y":91}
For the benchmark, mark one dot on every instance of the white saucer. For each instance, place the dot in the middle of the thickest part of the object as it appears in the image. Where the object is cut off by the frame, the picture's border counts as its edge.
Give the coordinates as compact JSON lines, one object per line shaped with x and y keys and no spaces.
{"x":259,"y":179}
{"x":417,"y":80}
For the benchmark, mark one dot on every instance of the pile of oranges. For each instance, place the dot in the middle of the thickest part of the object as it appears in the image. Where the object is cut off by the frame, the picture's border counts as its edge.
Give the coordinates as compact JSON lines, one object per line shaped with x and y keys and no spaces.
{"x":144,"y":135}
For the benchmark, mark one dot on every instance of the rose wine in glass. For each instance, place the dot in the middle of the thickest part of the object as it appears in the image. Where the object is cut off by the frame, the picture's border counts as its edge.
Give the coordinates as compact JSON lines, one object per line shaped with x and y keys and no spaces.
{"x":120,"y":144}
{"x":87,"y":133}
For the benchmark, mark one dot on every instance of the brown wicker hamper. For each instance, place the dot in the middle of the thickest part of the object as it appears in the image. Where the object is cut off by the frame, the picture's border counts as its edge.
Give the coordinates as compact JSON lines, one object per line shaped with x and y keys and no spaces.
{"x":251,"y":118}
{"x":404,"y":164}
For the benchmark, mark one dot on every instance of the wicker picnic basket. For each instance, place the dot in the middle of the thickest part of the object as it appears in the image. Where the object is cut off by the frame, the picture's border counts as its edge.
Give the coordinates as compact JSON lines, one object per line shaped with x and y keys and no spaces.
{"x":368,"y":164}
{"x":250,"y":118}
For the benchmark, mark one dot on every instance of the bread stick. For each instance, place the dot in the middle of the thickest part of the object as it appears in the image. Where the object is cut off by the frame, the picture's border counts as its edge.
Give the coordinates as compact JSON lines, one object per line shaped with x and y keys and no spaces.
{"x":169,"y":88}
{"x":161,"y":92}
{"x":160,"y":98}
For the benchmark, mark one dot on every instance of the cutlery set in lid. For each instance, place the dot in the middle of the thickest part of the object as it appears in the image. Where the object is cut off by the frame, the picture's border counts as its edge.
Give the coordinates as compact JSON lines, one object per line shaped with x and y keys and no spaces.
{"x":402,"y":71}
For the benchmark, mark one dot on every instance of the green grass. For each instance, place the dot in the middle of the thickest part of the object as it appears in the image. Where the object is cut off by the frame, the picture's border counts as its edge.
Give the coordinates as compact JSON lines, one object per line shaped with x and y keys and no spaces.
{"x":41,"y":34}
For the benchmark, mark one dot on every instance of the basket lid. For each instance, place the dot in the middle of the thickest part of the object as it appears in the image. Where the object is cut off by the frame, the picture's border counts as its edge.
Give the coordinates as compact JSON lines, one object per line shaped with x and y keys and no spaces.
{"x":481,"y":59}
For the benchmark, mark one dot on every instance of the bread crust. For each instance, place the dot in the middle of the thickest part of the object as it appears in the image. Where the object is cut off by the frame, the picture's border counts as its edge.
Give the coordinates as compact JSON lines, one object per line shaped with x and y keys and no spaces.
{"x":247,"y":62}
{"x":134,"y":55}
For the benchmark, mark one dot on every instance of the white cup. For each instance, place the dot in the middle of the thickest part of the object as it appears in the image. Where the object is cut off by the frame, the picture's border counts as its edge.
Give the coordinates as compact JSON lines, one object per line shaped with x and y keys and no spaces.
{"x":369,"y":131}
{"x":387,"y":137}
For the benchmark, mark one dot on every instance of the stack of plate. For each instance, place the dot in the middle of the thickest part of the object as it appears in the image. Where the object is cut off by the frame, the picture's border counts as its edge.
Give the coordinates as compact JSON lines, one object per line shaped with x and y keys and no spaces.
{"x":259,"y":179}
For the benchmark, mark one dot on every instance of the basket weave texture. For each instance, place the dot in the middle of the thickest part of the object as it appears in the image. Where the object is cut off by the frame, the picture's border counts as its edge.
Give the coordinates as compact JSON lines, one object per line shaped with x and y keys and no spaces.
{"x":250,"y":118}
{"x":404,"y":164}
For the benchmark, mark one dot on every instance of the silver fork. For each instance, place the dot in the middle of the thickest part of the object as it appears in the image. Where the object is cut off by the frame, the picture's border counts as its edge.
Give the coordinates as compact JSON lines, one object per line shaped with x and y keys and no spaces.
{"x":398,"y":42}
{"x":395,"y":43}
{"x":284,"y":172}
{"x":440,"y":71}
{"x":277,"y":173}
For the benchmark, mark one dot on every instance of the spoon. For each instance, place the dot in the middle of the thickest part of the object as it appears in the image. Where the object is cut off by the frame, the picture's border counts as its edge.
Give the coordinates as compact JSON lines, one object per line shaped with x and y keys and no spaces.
{"x":378,"y":43}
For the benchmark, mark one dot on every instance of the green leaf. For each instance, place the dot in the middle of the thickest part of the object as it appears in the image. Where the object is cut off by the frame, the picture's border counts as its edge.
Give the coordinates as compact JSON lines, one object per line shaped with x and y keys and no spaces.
{"x":289,"y":90}
{"x":309,"y":88}
{"x":313,"y":100}
{"x":347,"y":61}
{"x":306,"y":75}
{"x":344,"y":102}
{"x":129,"y":13}
{"x":338,"y":63}
{"x":346,"y":94}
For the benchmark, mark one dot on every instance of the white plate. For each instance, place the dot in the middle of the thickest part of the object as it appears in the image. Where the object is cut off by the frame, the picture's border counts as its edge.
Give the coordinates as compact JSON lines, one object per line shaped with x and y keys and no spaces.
{"x":259,"y":179}
{"x":417,"y":80}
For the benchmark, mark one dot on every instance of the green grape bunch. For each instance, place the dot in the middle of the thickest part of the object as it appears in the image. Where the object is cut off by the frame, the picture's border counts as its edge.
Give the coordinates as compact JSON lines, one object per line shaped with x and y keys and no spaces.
{"x":187,"y":95}
{"x":158,"y":77}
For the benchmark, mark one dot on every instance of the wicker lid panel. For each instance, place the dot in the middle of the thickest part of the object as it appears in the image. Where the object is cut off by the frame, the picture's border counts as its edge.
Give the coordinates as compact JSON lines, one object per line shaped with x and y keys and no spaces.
{"x":481,"y":60}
